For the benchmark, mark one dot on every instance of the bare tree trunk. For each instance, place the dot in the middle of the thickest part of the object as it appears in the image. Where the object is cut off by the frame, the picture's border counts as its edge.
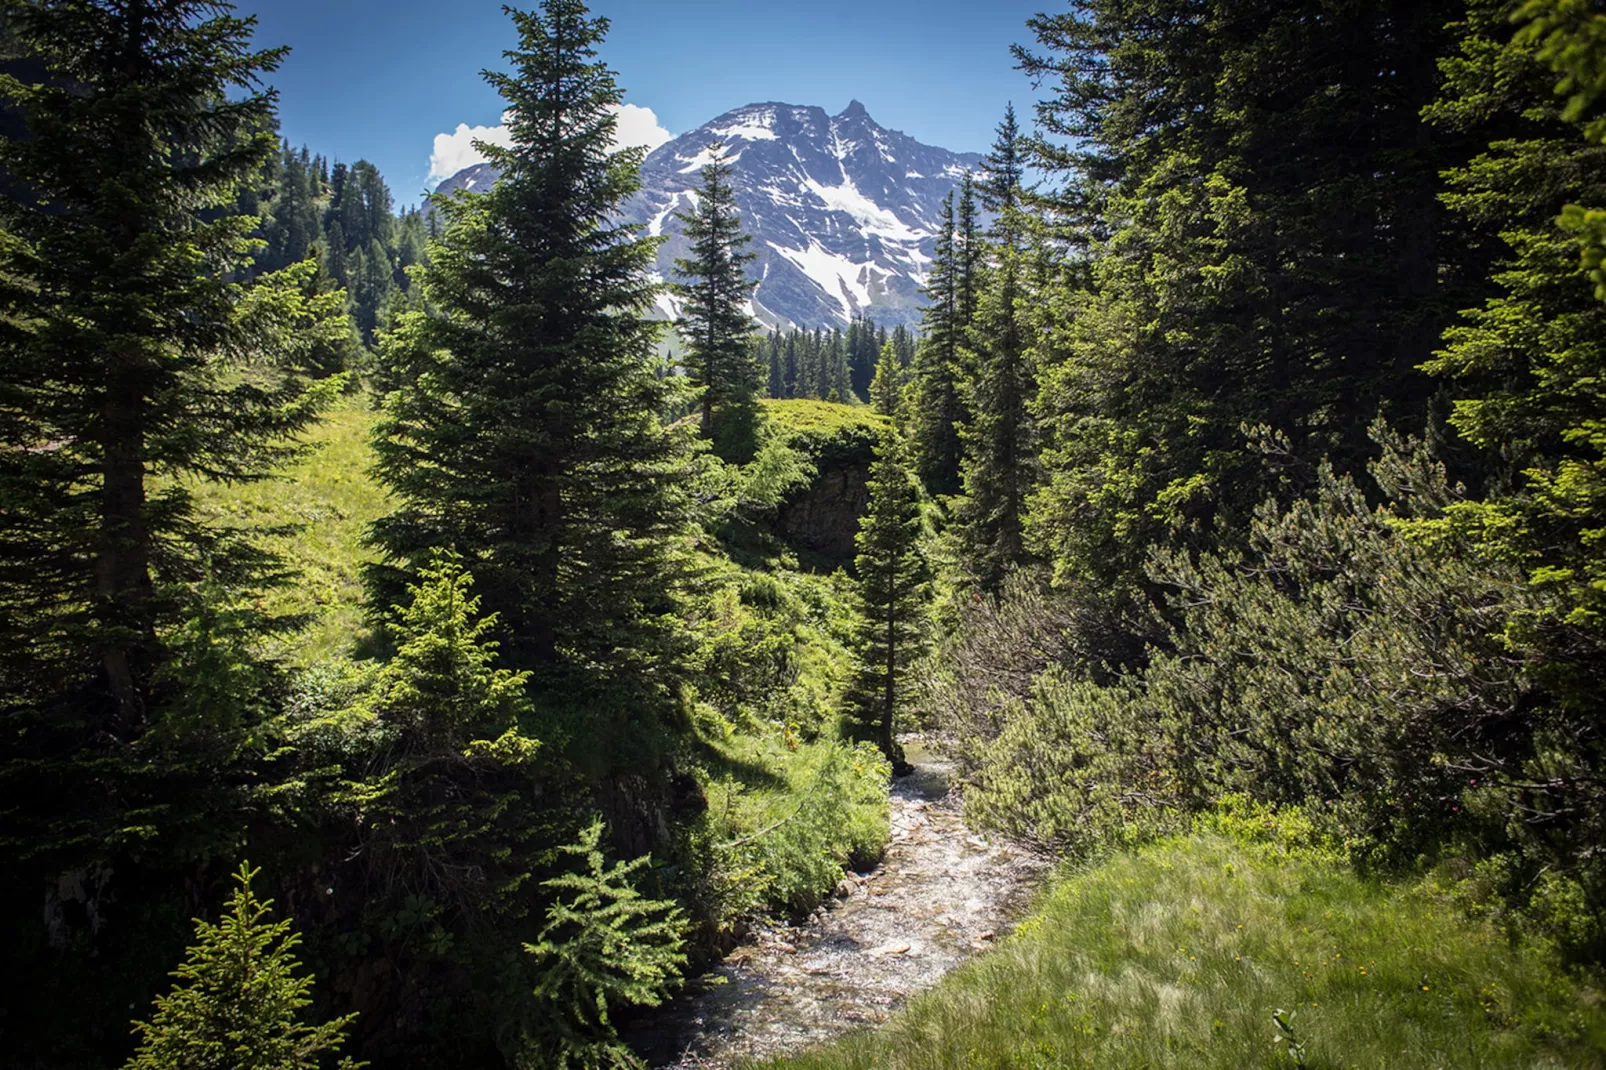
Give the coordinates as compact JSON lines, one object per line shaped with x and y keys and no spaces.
{"x":122,"y":569}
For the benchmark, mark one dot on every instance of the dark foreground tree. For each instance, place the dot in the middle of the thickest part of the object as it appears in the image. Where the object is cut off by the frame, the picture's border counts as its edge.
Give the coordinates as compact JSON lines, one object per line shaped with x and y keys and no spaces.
{"x":525,"y":431}
{"x":715,"y":320}
{"x":135,"y":361}
{"x":129,"y":350}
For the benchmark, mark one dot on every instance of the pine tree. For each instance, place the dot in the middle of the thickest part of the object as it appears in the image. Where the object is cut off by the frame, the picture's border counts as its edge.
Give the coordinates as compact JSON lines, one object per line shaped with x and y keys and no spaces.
{"x":775,"y":355}
{"x":892,"y":590}
{"x":132,"y":345}
{"x":237,"y":1003}
{"x":968,"y":249}
{"x":1529,"y":365}
{"x":448,"y":803}
{"x":1242,"y":259}
{"x":605,"y":946}
{"x":715,"y":321}
{"x":998,"y":440}
{"x":934,"y":430}
{"x":525,"y":432}
{"x":886,"y":389}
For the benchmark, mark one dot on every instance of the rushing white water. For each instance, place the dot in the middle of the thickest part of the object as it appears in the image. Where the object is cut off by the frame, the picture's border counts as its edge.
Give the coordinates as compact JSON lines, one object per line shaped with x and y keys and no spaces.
{"x":940,"y":895}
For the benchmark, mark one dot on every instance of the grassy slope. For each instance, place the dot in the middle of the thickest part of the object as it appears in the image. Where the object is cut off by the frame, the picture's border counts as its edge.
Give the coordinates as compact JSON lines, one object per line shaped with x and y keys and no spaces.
{"x":1179,"y":955}
{"x":827,"y":431}
{"x":331,"y":499}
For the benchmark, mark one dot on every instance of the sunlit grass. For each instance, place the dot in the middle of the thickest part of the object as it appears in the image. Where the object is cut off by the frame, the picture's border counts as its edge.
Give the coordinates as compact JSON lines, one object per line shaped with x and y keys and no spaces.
{"x":330,"y":498}
{"x":811,"y":418}
{"x":1180,"y":955}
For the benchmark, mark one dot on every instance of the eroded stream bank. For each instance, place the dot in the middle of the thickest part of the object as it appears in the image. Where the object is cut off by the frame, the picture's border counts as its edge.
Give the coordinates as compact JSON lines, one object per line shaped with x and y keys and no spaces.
{"x":940,"y":895}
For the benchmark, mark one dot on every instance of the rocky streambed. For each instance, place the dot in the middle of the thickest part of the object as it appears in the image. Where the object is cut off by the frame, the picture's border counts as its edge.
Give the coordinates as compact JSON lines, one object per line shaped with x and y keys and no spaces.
{"x":940,"y":895}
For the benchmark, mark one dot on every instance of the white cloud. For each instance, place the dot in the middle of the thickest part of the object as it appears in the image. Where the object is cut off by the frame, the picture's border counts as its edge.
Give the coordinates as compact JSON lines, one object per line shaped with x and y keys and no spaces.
{"x":455,"y":151}
{"x":639,"y":126}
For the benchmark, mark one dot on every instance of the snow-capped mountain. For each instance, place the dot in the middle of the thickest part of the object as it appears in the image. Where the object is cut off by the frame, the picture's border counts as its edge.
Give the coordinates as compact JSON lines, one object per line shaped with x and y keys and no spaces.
{"x":843,"y":212}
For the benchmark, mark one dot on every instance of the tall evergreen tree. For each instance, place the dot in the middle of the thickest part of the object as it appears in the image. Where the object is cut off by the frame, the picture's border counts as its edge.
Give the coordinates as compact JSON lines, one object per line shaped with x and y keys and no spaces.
{"x":886,"y":389}
{"x":934,"y":424}
{"x":998,"y":439}
{"x":526,"y":432}
{"x":1253,"y":190}
{"x":715,"y":320}
{"x":1528,"y":366}
{"x":133,"y":350}
{"x":892,"y":589}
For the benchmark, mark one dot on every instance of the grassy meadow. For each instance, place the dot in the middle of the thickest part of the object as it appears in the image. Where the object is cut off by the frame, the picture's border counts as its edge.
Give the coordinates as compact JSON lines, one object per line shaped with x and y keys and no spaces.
{"x":1184,"y":954}
{"x":325,"y":502}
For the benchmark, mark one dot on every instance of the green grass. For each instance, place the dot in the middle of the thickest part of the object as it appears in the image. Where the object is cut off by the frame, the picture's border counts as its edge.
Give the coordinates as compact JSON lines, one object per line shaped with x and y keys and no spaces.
{"x":331,"y":499}
{"x":806,"y":415}
{"x":1179,"y":955}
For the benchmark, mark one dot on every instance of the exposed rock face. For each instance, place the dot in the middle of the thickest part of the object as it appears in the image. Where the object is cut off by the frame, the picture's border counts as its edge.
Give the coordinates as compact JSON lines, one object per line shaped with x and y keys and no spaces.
{"x":843,"y":212}
{"x":824,"y":518}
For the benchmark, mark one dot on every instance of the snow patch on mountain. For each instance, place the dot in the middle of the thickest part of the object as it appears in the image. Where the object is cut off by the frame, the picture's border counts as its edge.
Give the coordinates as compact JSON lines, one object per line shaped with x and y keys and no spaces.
{"x":843,"y":212}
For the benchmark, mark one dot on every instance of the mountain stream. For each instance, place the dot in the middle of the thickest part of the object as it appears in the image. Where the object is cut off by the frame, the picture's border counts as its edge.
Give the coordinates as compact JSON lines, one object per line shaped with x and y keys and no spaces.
{"x":940,"y":895}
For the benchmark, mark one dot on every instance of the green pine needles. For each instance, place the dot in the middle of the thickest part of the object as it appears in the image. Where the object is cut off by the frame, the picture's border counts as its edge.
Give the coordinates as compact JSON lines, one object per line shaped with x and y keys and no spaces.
{"x":893,"y":590}
{"x":132,"y":349}
{"x":716,"y":321}
{"x":998,"y":439}
{"x":605,"y":946}
{"x":526,"y":427}
{"x":237,"y":1003}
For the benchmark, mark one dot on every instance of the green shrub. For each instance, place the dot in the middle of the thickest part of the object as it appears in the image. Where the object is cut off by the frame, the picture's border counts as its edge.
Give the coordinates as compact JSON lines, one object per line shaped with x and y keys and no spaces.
{"x":605,"y":946}
{"x":1349,"y":661}
{"x":238,"y":1003}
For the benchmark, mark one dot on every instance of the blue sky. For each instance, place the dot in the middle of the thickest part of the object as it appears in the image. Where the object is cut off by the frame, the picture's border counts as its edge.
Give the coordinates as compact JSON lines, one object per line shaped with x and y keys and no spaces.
{"x":379,"y":79}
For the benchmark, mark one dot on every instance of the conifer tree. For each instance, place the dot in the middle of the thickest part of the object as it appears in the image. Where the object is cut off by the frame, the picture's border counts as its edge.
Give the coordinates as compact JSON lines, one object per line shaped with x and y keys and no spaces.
{"x":448,"y":802}
{"x":934,"y":424}
{"x":886,"y":389}
{"x":132,"y":347}
{"x":999,"y":447}
{"x":968,"y":248}
{"x":237,"y":1003}
{"x":1529,"y":364}
{"x":604,"y":947}
{"x":892,"y":590}
{"x":715,"y":320}
{"x":526,"y":431}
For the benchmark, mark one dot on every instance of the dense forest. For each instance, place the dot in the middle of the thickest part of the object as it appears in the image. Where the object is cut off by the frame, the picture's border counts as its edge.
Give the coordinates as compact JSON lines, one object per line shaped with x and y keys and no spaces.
{"x":403,"y":661}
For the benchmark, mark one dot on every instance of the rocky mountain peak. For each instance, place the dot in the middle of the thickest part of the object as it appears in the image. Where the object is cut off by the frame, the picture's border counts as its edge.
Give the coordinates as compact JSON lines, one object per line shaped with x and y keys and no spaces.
{"x":842,"y":211}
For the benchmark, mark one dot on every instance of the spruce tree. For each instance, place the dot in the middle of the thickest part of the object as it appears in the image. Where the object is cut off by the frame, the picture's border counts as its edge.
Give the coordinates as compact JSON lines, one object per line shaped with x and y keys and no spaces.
{"x":237,"y":1003}
{"x":136,"y":344}
{"x":715,"y":319}
{"x":934,"y":424}
{"x":998,"y":439}
{"x":605,"y":947}
{"x":892,"y":590}
{"x":525,"y":432}
{"x":1528,"y":366}
{"x":886,"y":389}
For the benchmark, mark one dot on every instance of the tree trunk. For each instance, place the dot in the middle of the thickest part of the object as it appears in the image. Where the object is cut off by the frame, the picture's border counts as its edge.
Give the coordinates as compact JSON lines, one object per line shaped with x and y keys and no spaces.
{"x":122,"y":569}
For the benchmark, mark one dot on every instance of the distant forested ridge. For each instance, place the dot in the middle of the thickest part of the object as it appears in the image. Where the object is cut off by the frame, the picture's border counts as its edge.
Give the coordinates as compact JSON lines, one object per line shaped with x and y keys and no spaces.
{"x":342,"y":215}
